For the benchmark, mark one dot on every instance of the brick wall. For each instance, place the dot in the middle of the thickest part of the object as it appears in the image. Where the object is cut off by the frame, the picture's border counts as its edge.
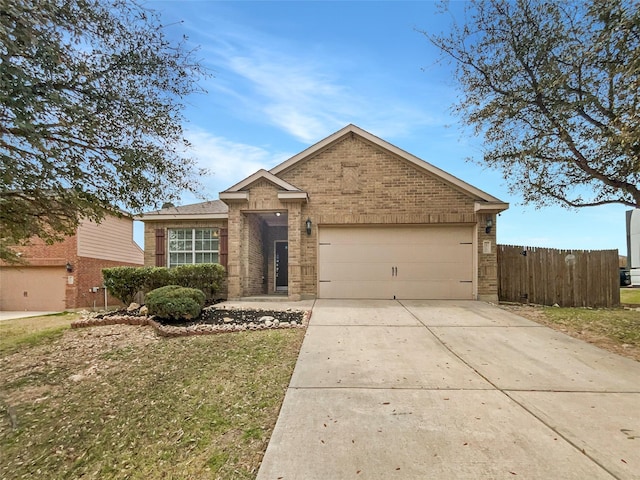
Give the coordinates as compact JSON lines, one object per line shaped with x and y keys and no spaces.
{"x":87,"y":274}
{"x":487,"y":262}
{"x":354,"y":181}
{"x":253,"y":242}
{"x":38,"y":253}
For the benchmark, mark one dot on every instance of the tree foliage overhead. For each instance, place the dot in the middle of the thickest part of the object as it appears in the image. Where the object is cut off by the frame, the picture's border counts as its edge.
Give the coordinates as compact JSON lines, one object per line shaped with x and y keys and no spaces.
{"x":91,"y":98}
{"x":554,"y":88}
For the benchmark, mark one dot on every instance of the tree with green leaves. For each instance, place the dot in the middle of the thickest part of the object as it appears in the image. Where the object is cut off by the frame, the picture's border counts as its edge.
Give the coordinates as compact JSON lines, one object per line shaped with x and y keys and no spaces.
{"x":91,"y":100}
{"x":554,"y":89}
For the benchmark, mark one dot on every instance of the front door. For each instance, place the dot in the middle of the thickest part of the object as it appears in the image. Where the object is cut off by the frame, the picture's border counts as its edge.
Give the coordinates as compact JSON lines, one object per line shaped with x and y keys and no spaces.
{"x":282,"y":266}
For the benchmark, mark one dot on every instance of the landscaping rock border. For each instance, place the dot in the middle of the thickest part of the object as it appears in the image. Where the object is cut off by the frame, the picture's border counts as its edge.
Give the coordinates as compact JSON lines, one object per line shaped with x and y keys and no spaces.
{"x":215,"y":319}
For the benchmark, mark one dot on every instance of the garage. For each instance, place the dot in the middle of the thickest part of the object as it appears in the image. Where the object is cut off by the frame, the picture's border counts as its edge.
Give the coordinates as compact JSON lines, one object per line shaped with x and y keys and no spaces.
{"x":413,"y":262}
{"x":32,"y":288}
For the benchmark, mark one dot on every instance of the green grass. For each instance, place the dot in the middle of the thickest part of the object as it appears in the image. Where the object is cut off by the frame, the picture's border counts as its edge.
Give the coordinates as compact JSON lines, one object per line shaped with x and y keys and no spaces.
{"x":24,"y":332}
{"x":618,"y":325}
{"x":191,"y":407}
{"x":630,"y":296}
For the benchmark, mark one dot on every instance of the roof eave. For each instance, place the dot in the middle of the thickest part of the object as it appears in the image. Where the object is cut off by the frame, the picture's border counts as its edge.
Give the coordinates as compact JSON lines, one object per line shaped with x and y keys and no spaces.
{"x":146,"y":217}
{"x":490,"y":207}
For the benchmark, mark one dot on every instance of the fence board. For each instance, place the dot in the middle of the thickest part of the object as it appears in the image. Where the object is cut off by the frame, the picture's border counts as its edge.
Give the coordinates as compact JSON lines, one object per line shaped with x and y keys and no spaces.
{"x":570,"y":278}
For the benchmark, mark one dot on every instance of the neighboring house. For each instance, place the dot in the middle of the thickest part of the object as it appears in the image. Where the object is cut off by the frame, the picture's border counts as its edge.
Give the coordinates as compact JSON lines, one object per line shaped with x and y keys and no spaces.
{"x":68,"y":275}
{"x":350,"y":217}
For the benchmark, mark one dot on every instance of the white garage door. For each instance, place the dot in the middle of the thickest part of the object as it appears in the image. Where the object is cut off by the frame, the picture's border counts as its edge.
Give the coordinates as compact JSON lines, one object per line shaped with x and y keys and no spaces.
{"x":434,"y":262}
{"x":32,"y":288}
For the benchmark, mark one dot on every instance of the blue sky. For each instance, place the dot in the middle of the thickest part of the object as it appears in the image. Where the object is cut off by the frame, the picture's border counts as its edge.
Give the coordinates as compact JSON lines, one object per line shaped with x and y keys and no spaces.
{"x":287,"y":74}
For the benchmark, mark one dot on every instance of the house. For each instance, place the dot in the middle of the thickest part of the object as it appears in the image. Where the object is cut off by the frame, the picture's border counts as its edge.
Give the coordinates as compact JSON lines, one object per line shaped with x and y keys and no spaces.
{"x":350,"y":217}
{"x":68,"y":275}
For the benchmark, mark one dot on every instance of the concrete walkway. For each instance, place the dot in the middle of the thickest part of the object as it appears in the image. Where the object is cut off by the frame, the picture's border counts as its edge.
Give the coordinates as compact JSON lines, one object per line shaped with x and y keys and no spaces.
{"x":452,"y":390}
{"x":10,"y":315}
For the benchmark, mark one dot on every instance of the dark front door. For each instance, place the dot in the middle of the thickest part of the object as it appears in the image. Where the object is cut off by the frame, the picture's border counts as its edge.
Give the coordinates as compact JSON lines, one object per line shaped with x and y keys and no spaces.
{"x":282,"y":266}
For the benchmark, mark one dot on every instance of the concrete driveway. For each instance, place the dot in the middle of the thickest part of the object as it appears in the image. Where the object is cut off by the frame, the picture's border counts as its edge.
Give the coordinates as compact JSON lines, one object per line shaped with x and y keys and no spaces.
{"x":452,"y":390}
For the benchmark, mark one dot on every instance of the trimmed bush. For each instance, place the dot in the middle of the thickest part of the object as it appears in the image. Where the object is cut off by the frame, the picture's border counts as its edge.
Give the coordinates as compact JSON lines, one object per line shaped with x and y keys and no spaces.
{"x":159,"y":277}
{"x":207,"y":277}
{"x":125,"y":282}
{"x":174,"y":302}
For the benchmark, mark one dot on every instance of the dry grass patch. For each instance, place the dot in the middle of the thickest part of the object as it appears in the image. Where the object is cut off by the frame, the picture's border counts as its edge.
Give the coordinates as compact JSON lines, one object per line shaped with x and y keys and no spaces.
{"x":120,"y":402}
{"x":21,"y":332}
{"x":616,"y":330}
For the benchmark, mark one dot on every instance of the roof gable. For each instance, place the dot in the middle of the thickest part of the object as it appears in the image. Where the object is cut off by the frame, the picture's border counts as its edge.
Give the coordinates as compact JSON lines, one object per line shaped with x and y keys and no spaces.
{"x":351,"y":129}
{"x":263,"y":174}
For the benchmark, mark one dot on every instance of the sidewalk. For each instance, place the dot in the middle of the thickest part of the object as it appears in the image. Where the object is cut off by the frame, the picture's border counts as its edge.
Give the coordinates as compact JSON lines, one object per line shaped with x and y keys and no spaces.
{"x":452,"y":390}
{"x":18,"y":314}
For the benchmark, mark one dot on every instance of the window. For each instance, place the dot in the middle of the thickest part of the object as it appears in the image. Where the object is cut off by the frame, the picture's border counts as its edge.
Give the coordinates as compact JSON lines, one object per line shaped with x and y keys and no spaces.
{"x":193,"y":245}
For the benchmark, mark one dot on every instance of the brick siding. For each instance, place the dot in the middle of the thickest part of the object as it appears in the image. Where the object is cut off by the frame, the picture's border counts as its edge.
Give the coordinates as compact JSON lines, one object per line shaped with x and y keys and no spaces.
{"x":350,"y":182}
{"x":86,"y":272}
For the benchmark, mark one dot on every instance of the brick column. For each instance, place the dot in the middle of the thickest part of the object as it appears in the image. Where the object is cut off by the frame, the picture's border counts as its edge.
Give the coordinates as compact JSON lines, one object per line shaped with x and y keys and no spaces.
{"x":234,"y":259}
{"x":295,"y":249}
{"x":487,"y":260}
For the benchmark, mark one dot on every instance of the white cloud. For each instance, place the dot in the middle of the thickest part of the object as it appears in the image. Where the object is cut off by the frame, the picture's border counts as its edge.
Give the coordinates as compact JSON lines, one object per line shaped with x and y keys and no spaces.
{"x":229,"y":162}
{"x":306,"y":95}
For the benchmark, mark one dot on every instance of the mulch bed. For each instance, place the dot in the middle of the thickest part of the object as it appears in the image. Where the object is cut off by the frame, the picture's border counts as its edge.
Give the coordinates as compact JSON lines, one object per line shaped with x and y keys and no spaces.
{"x":212,"y":320}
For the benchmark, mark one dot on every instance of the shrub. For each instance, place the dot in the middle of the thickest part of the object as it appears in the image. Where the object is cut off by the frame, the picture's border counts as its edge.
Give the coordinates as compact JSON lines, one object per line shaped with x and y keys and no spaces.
{"x":207,"y":277}
{"x":124,"y":282}
{"x":174,"y":302}
{"x":159,"y":277}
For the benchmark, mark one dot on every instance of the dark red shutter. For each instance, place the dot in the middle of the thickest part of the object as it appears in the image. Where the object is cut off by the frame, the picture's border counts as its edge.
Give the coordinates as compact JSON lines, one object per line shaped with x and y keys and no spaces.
{"x":161,"y":248}
{"x":224,"y":247}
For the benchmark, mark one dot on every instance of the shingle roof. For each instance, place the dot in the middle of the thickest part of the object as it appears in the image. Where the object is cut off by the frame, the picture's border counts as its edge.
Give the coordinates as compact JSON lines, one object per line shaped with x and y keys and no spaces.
{"x":211,"y":207}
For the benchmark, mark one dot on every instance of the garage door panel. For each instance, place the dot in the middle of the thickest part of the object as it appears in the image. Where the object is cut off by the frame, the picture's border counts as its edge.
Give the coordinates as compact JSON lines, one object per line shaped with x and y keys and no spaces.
{"x":402,"y":262}
{"x":428,"y":254}
{"x":352,"y":271}
{"x":434,"y":271}
{"x":32,"y":288}
{"x":338,"y":253}
{"x":386,"y":235}
{"x":441,"y":289}
{"x":351,"y":289}
{"x":402,"y":252}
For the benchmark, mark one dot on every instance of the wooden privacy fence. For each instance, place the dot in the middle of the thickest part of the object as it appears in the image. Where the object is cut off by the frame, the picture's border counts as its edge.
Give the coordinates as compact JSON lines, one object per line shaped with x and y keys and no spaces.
{"x":570,"y":278}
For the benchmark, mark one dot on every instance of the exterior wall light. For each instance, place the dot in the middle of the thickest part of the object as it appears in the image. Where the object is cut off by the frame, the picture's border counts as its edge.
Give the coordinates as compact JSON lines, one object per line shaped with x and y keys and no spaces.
{"x":489,"y":224}
{"x":69,"y":267}
{"x":308,"y":224}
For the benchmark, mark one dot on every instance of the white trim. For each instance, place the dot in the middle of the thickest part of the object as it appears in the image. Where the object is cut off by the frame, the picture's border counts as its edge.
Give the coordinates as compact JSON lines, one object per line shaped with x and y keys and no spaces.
{"x":293,"y":196}
{"x":234,"y":195}
{"x":490,"y":207}
{"x":193,"y":251}
{"x":262,"y":173}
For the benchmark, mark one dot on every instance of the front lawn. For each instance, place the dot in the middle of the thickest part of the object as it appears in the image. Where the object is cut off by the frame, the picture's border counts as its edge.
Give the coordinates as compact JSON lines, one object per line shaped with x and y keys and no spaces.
{"x":630,"y":296}
{"x":120,"y":402}
{"x":616,"y":330}
{"x":22,"y":332}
